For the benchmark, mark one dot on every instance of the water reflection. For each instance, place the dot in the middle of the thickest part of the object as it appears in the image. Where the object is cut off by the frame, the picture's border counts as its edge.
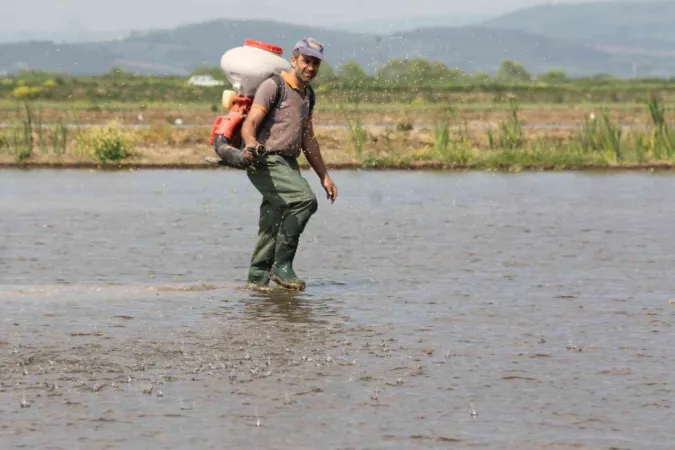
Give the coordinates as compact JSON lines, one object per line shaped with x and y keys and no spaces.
{"x":274,"y":304}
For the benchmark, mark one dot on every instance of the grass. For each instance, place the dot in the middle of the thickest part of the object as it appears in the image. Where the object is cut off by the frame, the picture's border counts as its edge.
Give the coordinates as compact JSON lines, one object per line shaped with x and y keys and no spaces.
{"x":450,"y":142}
{"x":328,"y":113}
{"x":357,"y":133}
{"x":599,"y":143}
{"x":110,"y":143}
{"x":10,"y":106}
{"x":510,"y":132}
{"x":663,"y":140}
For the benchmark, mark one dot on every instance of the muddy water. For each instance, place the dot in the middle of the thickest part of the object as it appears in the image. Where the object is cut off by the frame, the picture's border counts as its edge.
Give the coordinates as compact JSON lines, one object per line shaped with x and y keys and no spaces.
{"x":540,"y":301}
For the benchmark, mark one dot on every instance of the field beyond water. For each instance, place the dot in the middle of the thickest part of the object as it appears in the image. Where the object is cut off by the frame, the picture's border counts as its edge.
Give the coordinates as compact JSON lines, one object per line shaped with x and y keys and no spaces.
{"x":491,"y":127}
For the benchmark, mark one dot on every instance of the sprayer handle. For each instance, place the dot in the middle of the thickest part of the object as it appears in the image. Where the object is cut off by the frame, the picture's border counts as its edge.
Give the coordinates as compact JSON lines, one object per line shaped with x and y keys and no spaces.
{"x":257,"y":150}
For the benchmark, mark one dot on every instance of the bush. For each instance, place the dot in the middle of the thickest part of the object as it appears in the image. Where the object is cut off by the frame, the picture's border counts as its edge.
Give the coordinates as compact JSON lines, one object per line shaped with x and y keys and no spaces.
{"x":26,"y":92}
{"x":109,"y":143}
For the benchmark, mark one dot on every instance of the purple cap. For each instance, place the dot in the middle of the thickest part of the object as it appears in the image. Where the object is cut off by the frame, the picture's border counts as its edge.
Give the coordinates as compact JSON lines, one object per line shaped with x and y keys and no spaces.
{"x":310,"y":47}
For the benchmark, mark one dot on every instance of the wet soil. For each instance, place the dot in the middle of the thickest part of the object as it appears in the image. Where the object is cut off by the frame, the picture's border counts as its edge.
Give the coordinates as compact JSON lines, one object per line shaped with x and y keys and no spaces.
{"x":446,"y":310}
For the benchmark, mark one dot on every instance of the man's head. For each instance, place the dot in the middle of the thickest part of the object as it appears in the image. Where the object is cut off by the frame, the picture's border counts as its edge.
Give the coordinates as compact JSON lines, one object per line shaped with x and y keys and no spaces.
{"x":306,"y":59}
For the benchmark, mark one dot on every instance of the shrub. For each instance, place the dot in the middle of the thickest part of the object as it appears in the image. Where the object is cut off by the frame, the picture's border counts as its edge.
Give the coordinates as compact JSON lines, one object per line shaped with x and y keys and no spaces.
{"x":26,"y":92}
{"x":109,"y":143}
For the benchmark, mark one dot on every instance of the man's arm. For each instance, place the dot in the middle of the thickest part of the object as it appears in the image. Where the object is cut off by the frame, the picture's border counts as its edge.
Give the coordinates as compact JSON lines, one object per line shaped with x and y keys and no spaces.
{"x":310,"y":147}
{"x":248,"y":129}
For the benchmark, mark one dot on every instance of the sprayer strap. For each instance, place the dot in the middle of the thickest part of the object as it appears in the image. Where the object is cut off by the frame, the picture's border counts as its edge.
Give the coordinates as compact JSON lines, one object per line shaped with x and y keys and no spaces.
{"x":312,"y":98}
{"x":280,"y":90}
{"x":280,"y":86}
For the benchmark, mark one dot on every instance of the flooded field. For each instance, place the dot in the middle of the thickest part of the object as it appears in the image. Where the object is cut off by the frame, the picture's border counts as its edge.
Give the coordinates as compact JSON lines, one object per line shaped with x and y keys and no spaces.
{"x":443,"y":310}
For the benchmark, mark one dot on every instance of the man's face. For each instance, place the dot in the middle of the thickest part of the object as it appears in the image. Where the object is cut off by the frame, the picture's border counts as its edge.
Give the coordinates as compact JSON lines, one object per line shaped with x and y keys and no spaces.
{"x":306,"y":67}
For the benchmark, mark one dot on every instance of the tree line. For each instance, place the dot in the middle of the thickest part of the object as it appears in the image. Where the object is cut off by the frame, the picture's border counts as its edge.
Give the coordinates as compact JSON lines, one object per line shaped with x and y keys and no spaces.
{"x":396,"y":80}
{"x":419,"y":71}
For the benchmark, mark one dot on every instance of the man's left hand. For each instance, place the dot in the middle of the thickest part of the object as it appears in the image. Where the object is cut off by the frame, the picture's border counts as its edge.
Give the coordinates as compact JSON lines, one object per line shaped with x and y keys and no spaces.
{"x":330,"y":188}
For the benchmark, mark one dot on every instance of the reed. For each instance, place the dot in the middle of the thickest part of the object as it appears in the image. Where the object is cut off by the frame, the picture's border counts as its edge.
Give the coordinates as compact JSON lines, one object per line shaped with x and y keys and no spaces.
{"x":357,"y":131}
{"x":663,"y":141}
{"x":601,"y":141}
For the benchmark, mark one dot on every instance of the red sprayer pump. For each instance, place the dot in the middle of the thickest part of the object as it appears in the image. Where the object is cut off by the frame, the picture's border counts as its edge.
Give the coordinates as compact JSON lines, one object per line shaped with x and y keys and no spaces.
{"x":246,"y":67}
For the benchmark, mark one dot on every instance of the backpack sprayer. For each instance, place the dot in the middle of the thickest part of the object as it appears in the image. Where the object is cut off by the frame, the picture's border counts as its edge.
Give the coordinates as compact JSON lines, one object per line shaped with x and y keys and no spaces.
{"x":246,"y":67}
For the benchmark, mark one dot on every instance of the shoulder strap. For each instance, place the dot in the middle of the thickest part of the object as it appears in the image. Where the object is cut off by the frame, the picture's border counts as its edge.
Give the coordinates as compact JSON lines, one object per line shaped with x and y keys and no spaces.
{"x":280,"y":85}
{"x":312,"y":98}
{"x":277,"y":98}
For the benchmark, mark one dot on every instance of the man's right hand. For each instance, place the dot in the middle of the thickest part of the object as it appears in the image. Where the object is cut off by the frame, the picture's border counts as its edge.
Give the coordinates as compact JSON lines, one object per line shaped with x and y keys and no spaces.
{"x":248,"y":155}
{"x":249,"y":149}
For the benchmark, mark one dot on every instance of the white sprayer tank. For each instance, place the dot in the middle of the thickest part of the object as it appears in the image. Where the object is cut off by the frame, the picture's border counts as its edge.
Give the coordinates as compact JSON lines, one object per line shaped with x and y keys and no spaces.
{"x":249,"y":65}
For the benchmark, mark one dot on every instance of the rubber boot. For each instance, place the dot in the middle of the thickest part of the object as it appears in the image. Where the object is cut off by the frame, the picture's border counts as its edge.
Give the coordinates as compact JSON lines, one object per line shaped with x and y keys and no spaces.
{"x":257,"y":279}
{"x":265,"y":248}
{"x":282,"y":272}
{"x":259,"y":272}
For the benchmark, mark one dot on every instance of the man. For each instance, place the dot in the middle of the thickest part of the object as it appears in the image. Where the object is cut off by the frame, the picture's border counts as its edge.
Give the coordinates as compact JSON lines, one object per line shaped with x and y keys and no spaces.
{"x":288,"y":201}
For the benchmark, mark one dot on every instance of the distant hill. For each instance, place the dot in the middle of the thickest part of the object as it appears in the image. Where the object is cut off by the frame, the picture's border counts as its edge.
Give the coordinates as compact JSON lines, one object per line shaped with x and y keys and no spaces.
{"x":178,"y":50}
{"x":389,"y":26}
{"x":187,"y":47}
{"x":68,"y":35}
{"x":644,"y":24}
{"x":478,"y":48}
{"x":473,"y":48}
{"x":55,"y":58}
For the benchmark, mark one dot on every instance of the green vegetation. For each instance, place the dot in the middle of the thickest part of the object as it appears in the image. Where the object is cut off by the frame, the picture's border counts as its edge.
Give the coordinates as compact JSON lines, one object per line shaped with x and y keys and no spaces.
{"x":600,"y":143}
{"x":109,"y":143}
{"x":396,"y":90}
{"x":415,"y":82}
{"x":475,"y":104}
{"x":510,"y":145}
{"x":24,"y":137}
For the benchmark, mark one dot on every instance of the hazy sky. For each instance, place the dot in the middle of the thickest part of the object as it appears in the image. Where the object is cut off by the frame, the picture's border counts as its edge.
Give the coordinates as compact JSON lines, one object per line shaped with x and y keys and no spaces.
{"x":98,"y":15}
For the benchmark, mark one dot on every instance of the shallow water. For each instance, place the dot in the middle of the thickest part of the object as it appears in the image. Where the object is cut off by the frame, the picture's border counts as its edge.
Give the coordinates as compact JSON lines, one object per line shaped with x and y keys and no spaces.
{"x":544,"y":301}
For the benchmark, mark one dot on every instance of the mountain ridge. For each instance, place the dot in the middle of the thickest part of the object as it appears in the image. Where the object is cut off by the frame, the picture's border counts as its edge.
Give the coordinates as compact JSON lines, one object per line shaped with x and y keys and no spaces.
{"x":608,"y":22}
{"x":478,"y":47}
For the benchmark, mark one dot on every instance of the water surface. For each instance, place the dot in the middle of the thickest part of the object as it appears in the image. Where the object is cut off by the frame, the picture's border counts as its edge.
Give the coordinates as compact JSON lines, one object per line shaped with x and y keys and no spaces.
{"x":541,"y":301}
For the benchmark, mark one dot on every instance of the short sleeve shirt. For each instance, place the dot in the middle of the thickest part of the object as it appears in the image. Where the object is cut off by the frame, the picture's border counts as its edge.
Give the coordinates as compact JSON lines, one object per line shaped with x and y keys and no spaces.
{"x":283,"y":127}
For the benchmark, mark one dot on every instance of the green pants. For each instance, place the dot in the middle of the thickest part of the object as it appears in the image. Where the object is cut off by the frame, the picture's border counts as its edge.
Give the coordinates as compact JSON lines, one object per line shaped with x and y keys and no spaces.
{"x":287,"y":204}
